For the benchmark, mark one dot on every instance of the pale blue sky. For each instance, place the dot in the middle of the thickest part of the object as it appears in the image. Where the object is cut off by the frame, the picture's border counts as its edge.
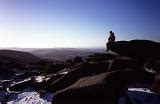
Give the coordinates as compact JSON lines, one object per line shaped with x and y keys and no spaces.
{"x":76,"y":23}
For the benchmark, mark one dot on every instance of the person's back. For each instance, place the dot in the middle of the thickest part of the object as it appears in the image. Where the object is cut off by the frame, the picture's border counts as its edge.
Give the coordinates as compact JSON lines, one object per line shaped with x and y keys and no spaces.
{"x":111,"y":39}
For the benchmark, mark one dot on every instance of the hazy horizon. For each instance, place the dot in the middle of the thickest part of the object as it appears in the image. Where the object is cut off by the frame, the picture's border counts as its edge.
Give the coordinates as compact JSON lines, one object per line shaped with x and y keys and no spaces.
{"x":53,"y":47}
{"x":76,"y":23}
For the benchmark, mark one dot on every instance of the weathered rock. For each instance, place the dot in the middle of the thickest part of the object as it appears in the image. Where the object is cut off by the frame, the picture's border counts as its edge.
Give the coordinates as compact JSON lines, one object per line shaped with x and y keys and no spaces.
{"x":104,"y":88}
{"x":83,"y":70}
{"x":46,"y":82}
{"x":20,"y":85}
{"x":55,"y":68}
{"x":99,"y":57}
{"x":153,"y":64}
{"x":142,"y":49}
{"x":87,"y":90}
{"x":123,"y":63}
{"x":34,"y":67}
{"x":69,"y":63}
{"x":77,"y":59}
{"x":27,"y":75}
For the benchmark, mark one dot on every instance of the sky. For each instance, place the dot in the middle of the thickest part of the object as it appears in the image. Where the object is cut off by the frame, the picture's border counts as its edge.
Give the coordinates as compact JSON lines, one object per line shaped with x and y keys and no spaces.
{"x":76,"y":23}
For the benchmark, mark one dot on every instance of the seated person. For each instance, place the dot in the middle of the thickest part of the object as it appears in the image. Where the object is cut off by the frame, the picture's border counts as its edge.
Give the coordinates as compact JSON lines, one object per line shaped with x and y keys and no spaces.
{"x":111,"y":38}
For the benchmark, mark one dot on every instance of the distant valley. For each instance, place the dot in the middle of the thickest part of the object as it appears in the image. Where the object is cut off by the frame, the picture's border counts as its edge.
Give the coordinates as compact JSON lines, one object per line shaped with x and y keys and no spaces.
{"x":59,"y":54}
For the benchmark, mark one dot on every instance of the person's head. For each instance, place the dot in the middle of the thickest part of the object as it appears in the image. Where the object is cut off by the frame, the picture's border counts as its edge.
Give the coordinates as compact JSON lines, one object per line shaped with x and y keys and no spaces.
{"x":110,"y":32}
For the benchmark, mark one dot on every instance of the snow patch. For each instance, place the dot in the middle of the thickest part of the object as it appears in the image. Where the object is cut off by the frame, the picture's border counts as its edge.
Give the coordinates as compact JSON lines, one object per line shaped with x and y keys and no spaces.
{"x":25,"y":80}
{"x":30,"y":96}
{"x":140,"y":90}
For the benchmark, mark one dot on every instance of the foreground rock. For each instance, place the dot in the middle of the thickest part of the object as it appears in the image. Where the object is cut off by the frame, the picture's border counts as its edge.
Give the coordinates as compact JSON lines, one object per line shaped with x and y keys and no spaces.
{"x":104,"y":88}
{"x":82,"y":70}
{"x":123,"y":63}
{"x":83,"y":91}
{"x":20,"y":85}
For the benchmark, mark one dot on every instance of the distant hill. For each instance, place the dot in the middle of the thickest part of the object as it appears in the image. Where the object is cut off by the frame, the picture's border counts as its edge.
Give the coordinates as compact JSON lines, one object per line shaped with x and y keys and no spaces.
{"x":55,"y":54}
{"x":63,"y":54}
{"x":23,"y":57}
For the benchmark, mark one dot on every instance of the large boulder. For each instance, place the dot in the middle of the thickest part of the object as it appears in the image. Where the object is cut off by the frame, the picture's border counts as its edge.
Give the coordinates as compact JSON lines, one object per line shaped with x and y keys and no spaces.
{"x":77,"y":59}
{"x":43,"y":82}
{"x":27,"y":75}
{"x":82,"y":70}
{"x":100,"y":57}
{"x":123,"y":63}
{"x":87,"y":90}
{"x":20,"y":85}
{"x":103,"y":88}
{"x":142,"y":49}
{"x":55,"y":68}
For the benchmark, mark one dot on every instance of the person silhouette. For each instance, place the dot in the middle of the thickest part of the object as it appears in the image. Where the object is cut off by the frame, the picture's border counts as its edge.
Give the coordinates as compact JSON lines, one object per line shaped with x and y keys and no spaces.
{"x":111,"y":39}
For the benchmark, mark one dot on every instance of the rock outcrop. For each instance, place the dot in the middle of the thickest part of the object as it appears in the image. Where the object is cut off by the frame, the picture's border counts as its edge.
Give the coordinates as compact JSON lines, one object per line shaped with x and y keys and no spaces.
{"x":123,"y":63}
{"x":100,"y":57}
{"x":103,"y":88}
{"x":82,"y":70}
{"x":143,"y":49}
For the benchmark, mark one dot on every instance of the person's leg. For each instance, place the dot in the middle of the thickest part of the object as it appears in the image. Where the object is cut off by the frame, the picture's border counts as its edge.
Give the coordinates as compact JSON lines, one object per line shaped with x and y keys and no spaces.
{"x":107,"y":47}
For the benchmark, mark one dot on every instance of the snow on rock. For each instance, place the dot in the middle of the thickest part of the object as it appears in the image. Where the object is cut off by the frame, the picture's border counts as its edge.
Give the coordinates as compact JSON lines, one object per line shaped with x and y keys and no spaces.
{"x":63,"y":73}
{"x":140,"y":90}
{"x":41,"y":79}
{"x":30,"y":96}
{"x":25,"y":80}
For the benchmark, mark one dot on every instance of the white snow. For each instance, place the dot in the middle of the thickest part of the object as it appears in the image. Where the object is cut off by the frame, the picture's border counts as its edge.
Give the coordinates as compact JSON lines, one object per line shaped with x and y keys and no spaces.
{"x":63,"y":73}
{"x":41,"y":78}
{"x":140,"y":90}
{"x":20,"y":81}
{"x":150,"y":70}
{"x":30,"y":96}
